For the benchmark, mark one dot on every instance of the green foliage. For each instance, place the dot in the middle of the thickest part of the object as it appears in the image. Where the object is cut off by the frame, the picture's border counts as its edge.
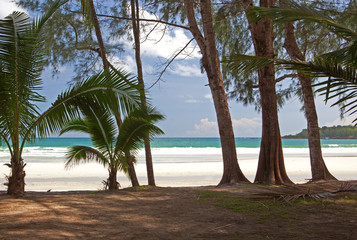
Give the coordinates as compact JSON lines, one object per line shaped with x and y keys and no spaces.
{"x":21,"y":64}
{"x":68,"y":38}
{"x":262,"y":209}
{"x":344,"y":132}
{"x":234,"y":39}
{"x":111,"y":144}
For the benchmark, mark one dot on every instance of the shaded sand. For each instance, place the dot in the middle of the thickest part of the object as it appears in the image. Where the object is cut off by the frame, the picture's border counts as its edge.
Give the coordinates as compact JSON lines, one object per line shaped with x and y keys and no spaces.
{"x":179,"y":213}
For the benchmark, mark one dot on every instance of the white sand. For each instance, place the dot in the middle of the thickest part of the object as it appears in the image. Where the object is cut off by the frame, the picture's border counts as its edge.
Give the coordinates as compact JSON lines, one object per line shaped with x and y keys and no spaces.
{"x":176,"y":169}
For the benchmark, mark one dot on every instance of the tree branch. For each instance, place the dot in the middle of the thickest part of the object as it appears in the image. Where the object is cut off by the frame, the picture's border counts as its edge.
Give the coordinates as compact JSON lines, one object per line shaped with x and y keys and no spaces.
{"x":286,"y":76}
{"x":140,"y":19}
{"x":168,"y":64}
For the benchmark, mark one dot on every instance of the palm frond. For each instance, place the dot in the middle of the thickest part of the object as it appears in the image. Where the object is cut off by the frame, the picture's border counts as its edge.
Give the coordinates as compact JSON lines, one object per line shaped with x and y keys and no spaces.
{"x":103,"y":88}
{"x":39,"y":22}
{"x":292,"y":11}
{"x":83,"y":154}
{"x":132,"y":133}
{"x":78,"y":125}
{"x":244,"y":64}
{"x":101,"y":126}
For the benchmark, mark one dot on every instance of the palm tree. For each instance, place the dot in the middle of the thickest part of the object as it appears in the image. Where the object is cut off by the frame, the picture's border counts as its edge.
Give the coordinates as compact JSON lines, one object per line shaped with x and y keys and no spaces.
{"x":21,"y":64}
{"x":111,"y":145}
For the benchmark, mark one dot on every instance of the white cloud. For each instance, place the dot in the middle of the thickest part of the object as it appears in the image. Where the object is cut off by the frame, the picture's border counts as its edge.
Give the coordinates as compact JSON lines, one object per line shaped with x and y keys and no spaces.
{"x":186,"y":70}
{"x":159,"y":41}
{"x":167,"y":44}
{"x":208,"y":96}
{"x":192,"y":101}
{"x":244,"y":127}
{"x":247,"y":122}
{"x":247,"y":126}
{"x":127,"y":63}
{"x":205,"y":128}
{"x":345,"y":121}
{"x":7,"y":7}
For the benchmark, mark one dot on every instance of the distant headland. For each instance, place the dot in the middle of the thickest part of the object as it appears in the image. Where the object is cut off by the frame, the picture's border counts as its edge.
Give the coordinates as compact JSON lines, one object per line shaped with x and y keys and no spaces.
{"x":335,"y":132}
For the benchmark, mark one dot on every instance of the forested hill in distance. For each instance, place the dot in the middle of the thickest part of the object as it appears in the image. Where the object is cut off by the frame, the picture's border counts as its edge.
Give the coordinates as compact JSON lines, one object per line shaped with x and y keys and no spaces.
{"x":335,"y":132}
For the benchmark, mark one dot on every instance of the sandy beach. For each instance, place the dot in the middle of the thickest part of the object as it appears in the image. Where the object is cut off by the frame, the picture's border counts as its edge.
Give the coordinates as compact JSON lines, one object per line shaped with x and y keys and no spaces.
{"x":243,"y":211}
{"x":174,"y":169}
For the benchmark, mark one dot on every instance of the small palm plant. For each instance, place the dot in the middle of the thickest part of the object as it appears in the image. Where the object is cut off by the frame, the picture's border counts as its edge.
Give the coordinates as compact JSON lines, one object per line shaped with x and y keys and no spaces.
{"x":21,"y":65}
{"x":112,"y":145}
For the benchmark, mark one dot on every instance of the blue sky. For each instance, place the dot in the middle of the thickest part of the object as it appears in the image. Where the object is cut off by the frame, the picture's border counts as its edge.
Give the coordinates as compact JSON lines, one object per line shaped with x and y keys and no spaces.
{"x":183,"y":96}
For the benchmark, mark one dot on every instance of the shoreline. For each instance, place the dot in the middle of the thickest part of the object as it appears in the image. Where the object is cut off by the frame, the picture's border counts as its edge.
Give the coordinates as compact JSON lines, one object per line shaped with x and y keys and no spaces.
{"x":172,"y":170}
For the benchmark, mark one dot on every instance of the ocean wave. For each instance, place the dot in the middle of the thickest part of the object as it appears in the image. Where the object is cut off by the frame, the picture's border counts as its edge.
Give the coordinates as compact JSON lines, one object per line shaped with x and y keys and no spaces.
{"x":60,"y":152}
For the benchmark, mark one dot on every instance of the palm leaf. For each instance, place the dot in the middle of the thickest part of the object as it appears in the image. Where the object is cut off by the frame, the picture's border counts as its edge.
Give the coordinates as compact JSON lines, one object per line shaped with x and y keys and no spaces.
{"x":132,"y":133}
{"x":101,"y":126}
{"x":83,"y":154}
{"x":292,"y":11}
{"x":103,"y":88}
{"x":79,"y":125}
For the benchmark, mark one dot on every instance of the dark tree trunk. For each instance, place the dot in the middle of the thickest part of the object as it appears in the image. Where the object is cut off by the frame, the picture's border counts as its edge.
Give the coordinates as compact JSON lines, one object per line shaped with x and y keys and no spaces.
{"x":102,"y":50}
{"x":136,"y":32}
{"x":106,"y":65}
{"x":16,"y":181}
{"x":112,"y":180}
{"x":131,"y":170}
{"x":271,"y":168}
{"x":319,"y":170}
{"x":207,"y":43}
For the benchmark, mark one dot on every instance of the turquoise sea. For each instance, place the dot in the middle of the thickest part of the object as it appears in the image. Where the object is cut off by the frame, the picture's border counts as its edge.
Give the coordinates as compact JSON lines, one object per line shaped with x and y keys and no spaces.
{"x":177,"y":162}
{"x":183,"y":142}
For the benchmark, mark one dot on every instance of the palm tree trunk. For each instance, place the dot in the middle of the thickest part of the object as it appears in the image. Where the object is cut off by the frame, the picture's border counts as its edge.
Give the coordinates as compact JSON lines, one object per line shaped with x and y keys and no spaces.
{"x":207,"y":43}
{"x":112,"y":180}
{"x":16,"y":181}
{"x":136,"y":33}
{"x":319,"y":170}
{"x":271,"y":167}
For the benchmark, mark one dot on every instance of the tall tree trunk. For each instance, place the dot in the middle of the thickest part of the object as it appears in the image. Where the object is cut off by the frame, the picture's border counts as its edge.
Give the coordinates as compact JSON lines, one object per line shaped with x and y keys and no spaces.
{"x":131,"y":170}
{"x":16,"y":180}
{"x":106,"y":66}
{"x":207,"y":43}
{"x":136,"y":32}
{"x":319,"y":170}
{"x":102,"y":50}
{"x":112,"y":180}
{"x":271,"y":168}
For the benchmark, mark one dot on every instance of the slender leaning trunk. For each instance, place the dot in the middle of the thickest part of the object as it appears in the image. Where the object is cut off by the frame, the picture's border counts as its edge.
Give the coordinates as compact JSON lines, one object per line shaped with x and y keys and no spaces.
{"x":106,"y":66}
{"x":271,"y":167}
{"x":132,"y":172}
{"x":207,"y":43}
{"x":136,"y":33}
{"x":319,"y":170}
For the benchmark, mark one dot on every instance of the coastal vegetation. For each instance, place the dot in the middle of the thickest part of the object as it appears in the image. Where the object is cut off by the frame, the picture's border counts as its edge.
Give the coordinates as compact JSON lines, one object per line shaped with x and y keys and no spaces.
{"x":22,"y":62}
{"x":106,"y":103}
{"x":335,"y":132}
{"x":113,"y":147}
